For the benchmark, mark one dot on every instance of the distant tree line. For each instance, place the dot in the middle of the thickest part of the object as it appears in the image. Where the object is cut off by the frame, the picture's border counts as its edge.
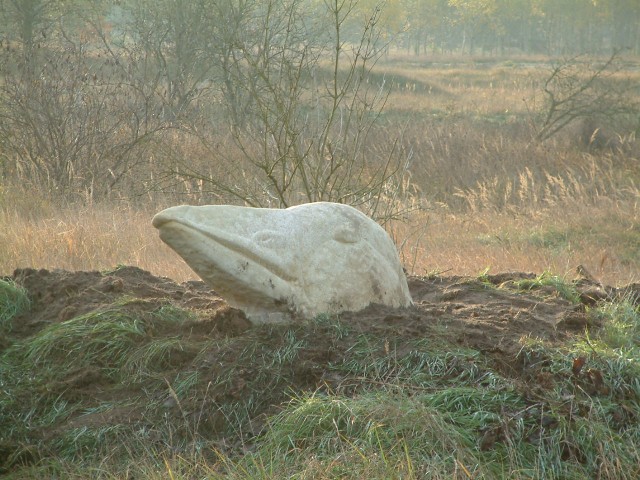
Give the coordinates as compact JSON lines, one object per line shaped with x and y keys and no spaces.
{"x":551,"y":27}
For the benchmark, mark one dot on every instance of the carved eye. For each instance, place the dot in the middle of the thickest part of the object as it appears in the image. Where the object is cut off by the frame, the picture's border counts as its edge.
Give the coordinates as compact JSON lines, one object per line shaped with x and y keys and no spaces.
{"x":346,"y":235}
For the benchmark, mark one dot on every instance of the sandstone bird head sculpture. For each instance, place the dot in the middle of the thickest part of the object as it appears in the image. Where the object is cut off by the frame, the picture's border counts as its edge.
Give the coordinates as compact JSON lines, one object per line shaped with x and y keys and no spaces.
{"x":282,"y":264}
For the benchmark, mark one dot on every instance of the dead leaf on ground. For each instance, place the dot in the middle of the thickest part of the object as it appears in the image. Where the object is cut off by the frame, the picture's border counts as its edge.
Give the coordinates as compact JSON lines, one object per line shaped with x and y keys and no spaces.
{"x":578,"y":363}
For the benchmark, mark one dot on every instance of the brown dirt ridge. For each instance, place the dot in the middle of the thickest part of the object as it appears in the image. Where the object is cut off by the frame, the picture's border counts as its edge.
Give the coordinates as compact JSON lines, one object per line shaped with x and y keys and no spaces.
{"x":488,"y":313}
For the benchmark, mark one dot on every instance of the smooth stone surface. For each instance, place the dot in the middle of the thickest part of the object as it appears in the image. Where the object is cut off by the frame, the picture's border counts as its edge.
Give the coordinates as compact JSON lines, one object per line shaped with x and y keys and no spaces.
{"x":281,"y":264}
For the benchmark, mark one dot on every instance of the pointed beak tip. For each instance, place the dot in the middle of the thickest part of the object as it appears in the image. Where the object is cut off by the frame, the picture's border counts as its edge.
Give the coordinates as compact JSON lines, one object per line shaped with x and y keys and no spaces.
{"x":159,"y":220}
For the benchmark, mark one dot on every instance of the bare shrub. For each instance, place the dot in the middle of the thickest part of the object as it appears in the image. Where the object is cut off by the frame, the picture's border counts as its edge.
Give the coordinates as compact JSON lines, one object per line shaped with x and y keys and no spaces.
{"x":71,"y":122}
{"x":591,"y":92}
{"x":300,"y":113}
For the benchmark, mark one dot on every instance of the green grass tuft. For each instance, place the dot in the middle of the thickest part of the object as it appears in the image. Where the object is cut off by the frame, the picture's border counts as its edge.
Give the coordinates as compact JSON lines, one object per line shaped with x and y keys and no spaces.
{"x":374,"y":435}
{"x":104,"y":339}
{"x":621,"y":324}
{"x":13,"y":301}
{"x":559,"y":285}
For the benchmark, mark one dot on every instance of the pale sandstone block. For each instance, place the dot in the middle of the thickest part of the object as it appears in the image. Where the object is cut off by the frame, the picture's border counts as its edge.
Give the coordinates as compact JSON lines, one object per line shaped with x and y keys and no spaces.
{"x":282,"y":264}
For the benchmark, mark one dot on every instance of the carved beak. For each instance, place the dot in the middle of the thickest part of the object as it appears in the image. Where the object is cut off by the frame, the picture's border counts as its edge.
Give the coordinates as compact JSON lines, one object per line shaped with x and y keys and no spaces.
{"x":225,"y":251}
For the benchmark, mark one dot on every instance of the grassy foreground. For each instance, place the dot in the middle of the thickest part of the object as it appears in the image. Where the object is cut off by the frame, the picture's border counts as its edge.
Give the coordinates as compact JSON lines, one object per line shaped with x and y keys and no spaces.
{"x":420,"y":407}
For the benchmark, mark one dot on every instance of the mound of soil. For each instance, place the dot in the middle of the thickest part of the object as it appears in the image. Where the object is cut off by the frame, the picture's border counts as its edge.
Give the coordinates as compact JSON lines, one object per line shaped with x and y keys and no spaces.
{"x":467,"y":310}
{"x":471,"y":312}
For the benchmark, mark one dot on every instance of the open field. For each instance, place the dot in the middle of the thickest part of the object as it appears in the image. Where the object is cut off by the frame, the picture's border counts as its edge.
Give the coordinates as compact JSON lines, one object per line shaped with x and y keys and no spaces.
{"x":481,"y":192}
{"x":513,"y":363}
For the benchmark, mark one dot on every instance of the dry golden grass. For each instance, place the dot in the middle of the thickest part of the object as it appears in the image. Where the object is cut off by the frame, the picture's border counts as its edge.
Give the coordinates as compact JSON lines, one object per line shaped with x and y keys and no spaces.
{"x":607,"y":244}
{"x":489,"y":92}
{"x":72,"y":237}
{"x":603,"y":237}
{"x":586,"y":214}
{"x":493,"y":198}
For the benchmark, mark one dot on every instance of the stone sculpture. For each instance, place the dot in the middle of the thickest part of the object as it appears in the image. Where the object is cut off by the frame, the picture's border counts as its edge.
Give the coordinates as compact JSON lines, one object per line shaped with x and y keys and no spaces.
{"x":282,"y":264}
